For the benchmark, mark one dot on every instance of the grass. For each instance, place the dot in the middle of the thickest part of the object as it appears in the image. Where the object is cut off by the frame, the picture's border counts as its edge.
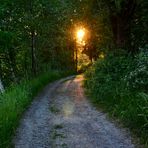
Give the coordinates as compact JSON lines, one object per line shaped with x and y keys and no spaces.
{"x":58,"y":126}
{"x":130,"y":110}
{"x":56,"y":135}
{"x":54,"y":109}
{"x":14,"y":102}
{"x":64,"y":145}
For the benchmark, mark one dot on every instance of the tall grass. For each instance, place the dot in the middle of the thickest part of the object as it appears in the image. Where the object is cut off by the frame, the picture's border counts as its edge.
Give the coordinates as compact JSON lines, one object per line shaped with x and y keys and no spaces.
{"x":15,"y":101}
{"x":119,"y":85}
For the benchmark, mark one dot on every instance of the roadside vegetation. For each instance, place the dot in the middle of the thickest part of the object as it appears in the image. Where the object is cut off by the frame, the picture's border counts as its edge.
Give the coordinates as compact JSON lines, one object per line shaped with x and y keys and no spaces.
{"x":118,"y":84}
{"x":16,"y":99}
{"x":35,"y":46}
{"x":117,"y":81}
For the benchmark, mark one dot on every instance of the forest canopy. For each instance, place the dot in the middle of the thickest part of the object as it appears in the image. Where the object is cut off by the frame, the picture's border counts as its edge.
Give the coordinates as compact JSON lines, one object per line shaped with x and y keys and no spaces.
{"x":36,"y":35}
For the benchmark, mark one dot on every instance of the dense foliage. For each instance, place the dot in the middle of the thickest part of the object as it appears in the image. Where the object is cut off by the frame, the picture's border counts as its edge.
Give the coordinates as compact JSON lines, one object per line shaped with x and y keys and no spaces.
{"x":34,"y":37}
{"x":118,"y":80}
{"x":119,"y":83}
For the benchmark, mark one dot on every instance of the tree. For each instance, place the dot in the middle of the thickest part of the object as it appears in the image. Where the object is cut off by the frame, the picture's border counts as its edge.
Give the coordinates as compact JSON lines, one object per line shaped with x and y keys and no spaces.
{"x":1,"y":87}
{"x":34,"y":35}
{"x":121,"y":14}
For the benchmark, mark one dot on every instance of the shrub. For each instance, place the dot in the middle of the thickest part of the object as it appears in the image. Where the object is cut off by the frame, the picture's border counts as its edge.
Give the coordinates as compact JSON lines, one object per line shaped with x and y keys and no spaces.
{"x":137,"y":79}
{"x":119,"y":84}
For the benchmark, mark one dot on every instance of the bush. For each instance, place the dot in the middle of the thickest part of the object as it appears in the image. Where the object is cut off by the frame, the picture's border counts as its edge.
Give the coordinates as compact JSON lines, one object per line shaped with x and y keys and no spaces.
{"x":137,"y":79}
{"x":15,"y":101}
{"x":118,"y":83}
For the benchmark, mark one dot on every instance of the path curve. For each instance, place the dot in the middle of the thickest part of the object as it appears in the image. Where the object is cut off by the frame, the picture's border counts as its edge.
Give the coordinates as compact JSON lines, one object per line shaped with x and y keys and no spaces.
{"x":61,"y":117}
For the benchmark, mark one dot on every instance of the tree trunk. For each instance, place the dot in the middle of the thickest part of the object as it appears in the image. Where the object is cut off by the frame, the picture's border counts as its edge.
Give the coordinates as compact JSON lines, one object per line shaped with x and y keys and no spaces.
{"x":1,"y":86}
{"x":12,"y":64}
{"x":121,"y":31}
{"x":121,"y":23}
{"x":33,"y":58}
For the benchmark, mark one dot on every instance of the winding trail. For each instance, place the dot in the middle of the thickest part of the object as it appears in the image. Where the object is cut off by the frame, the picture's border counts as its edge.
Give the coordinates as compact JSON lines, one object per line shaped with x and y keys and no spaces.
{"x":61,"y":117}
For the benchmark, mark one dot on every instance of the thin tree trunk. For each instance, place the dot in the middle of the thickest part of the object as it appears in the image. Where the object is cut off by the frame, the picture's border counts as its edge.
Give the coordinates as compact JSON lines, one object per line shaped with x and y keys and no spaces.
{"x":73,"y":54}
{"x":1,"y":86}
{"x":33,"y":59}
{"x":121,"y":23}
{"x":12,"y":64}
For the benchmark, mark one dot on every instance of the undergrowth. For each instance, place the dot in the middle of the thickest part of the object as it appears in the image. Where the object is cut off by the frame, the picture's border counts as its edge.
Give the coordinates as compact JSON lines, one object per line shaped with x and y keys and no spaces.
{"x":16,"y":99}
{"x":118,"y":83}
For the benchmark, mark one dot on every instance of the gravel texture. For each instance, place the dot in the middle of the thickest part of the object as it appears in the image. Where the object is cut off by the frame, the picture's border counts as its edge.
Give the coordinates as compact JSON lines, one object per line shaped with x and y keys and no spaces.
{"x":62,"y":117}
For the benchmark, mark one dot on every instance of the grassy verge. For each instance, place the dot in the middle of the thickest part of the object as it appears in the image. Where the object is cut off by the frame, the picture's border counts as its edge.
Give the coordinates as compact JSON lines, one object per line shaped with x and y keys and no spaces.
{"x":118,"y":85}
{"x":15,"y":101}
{"x":130,"y":110}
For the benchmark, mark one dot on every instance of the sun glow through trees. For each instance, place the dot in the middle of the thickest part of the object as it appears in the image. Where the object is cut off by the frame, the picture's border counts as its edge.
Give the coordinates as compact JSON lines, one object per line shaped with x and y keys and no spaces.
{"x":80,"y":34}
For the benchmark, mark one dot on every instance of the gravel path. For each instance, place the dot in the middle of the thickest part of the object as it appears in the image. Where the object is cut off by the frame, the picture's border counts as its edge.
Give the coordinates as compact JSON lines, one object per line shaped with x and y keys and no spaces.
{"x":61,"y":117}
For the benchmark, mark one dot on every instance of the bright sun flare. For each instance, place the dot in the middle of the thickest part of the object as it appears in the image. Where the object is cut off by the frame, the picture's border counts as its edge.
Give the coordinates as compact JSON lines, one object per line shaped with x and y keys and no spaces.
{"x":80,"y":34}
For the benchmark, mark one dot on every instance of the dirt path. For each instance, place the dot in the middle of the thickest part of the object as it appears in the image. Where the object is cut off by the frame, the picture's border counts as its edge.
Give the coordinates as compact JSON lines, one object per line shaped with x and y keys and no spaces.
{"x":61,"y":117}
